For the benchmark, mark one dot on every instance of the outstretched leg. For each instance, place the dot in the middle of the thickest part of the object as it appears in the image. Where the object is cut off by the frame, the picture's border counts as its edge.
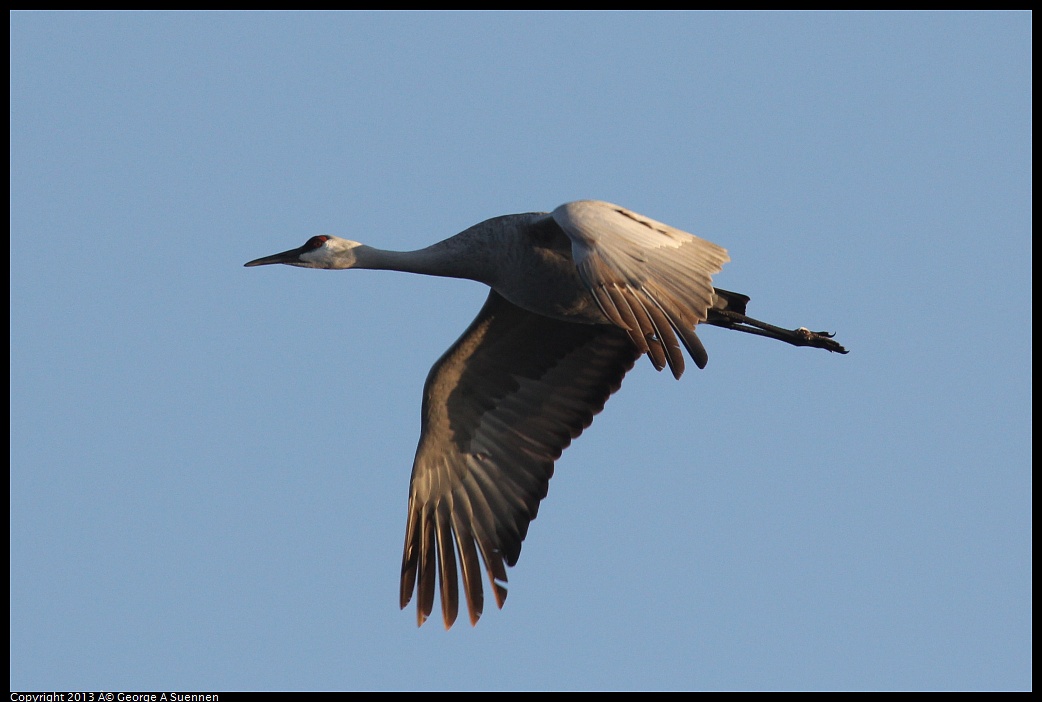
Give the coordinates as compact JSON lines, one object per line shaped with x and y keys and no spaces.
{"x":729,"y":313}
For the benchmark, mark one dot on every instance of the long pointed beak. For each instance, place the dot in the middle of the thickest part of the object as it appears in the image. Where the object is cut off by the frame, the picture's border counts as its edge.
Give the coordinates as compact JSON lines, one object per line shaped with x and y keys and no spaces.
{"x":291,"y":256}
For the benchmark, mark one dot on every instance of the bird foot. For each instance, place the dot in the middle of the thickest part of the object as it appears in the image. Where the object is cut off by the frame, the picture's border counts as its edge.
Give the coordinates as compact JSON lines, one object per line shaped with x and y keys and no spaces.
{"x":820,"y":340}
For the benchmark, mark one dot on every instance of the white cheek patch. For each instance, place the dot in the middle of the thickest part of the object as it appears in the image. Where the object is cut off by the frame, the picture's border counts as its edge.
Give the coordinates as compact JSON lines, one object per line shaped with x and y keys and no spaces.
{"x":316,"y":258}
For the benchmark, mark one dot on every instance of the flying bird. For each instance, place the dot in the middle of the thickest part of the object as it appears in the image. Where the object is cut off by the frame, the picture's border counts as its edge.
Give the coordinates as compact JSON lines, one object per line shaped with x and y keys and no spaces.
{"x":577,"y":296}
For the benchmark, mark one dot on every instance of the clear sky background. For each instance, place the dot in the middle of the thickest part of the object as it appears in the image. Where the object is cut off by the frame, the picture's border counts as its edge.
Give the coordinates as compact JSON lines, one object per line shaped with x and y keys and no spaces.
{"x":210,"y":464}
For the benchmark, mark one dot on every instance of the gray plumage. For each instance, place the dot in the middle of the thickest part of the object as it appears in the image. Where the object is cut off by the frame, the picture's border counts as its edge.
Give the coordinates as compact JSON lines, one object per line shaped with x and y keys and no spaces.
{"x":577,"y":296}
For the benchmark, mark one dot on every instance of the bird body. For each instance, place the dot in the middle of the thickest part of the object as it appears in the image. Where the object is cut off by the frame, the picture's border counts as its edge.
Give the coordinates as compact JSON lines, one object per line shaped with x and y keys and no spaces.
{"x":578,"y":294}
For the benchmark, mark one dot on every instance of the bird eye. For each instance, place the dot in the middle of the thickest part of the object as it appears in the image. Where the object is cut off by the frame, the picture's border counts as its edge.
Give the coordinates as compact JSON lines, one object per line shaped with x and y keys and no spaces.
{"x":316,"y":242}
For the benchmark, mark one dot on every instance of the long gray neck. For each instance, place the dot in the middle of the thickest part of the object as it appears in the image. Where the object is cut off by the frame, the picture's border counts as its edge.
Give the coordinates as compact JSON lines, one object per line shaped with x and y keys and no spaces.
{"x":477,"y":253}
{"x":438,"y":260}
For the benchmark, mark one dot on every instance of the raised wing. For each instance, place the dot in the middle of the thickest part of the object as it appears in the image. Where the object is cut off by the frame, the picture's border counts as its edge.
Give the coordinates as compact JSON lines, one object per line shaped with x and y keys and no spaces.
{"x":650,"y":279}
{"x":498,"y":408}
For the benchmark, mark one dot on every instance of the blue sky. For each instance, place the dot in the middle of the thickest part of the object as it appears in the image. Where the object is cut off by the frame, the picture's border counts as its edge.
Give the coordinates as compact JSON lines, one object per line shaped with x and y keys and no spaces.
{"x":210,"y":464}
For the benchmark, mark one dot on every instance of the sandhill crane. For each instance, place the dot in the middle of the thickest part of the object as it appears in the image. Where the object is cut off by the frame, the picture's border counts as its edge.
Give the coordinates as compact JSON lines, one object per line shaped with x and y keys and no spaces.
{"x":577,"y":296}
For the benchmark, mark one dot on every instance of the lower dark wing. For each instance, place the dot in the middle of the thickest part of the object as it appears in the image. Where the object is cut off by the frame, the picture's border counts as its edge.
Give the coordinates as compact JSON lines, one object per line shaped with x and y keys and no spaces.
{"x":499,"y":407}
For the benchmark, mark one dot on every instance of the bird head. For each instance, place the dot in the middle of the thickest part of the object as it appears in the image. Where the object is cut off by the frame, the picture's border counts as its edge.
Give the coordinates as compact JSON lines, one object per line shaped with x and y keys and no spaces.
{"x":321,"y":251}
